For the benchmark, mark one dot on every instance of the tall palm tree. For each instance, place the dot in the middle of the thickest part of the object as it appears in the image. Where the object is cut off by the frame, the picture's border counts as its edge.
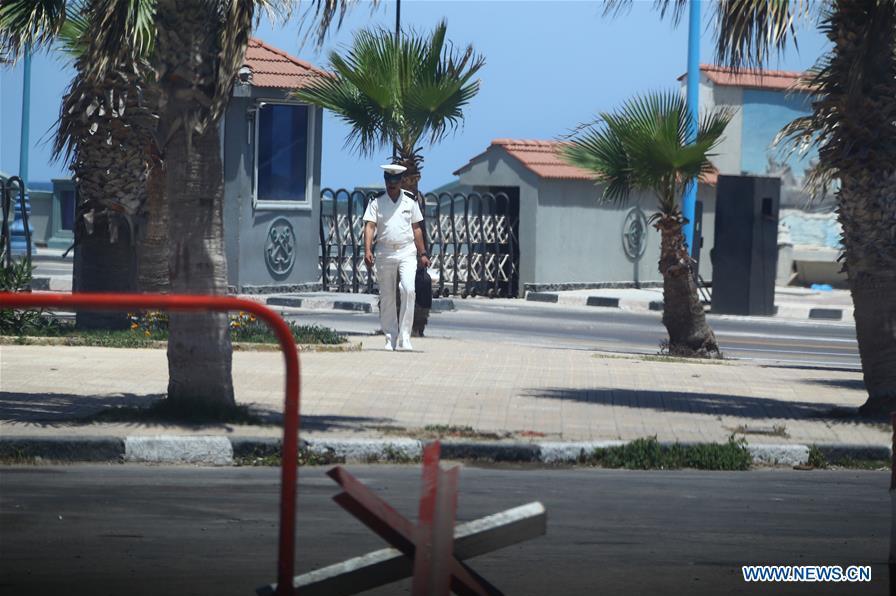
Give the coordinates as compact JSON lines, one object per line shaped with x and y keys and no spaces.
{"x":853,"y":127}
{"x":105,"y":127}
{"x":393,"y":92}
{"x":199,"y":46}
{"x":645,"y":146}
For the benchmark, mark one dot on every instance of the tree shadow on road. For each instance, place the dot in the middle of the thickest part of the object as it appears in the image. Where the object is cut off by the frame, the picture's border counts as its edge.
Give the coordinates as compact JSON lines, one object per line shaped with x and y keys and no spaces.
{"x":49,"y":410}
{"x":709,"y":404}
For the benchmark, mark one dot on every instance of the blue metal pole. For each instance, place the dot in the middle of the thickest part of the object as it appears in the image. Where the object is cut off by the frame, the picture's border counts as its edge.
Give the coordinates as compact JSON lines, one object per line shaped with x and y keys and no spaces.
{"x":689,"y":201}
{"x":25,"y":138}
{"x":19,"y":236}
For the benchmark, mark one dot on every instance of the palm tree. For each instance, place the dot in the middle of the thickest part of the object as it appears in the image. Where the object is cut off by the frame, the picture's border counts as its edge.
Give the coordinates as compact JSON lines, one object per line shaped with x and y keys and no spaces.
{"x":105,"y":127}
{"x":198,"y":48}
{"x":644,"y":146}
{"x":852,"y":126}
{"x":393,"y":92}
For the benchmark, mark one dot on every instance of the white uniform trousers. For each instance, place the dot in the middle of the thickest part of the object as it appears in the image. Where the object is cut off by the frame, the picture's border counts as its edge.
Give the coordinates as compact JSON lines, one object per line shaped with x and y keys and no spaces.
{"x":401,"y":263}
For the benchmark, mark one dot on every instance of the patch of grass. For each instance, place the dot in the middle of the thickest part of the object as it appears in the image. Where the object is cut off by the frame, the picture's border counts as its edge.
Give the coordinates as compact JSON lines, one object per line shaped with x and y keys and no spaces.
{"x":682,"y":352}
{"x":649,"y":454}
{"x":663,"y":358}
{"x":817,"y":458}
{"x":138,"y":337}
{"x":179,"y":412}
{"x":440,"y":431}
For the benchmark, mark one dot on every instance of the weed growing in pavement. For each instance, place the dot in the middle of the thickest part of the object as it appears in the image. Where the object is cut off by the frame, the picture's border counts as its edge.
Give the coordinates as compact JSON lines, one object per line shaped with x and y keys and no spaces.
{"x":305,"y":457}
{"x":817,"y":459}
{"x":649,"y":454}
{"x":662,"y":358}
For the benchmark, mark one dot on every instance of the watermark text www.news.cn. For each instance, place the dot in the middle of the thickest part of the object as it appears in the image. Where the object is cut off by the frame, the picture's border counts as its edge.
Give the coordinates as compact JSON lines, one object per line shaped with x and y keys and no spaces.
{"x":806,"y":573}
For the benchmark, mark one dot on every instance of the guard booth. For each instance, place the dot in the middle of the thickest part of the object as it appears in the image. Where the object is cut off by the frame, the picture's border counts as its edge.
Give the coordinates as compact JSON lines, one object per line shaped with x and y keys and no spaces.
{"x":271,"y":149}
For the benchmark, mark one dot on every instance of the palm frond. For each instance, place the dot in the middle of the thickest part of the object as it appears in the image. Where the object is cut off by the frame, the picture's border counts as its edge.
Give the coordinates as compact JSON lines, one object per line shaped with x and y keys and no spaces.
{"x":395,"y":92}
{"x":321,"y":16}
{"x":749,"y":32}
{"x":674,"y":8}
{"x":646,"y":145}
{"x":29,"y":23}
{"x":71,"y":36}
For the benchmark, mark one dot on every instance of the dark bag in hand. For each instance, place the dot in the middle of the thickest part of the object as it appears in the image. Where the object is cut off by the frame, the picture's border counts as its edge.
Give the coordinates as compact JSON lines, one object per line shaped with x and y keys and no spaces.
{"x":423,"y":288}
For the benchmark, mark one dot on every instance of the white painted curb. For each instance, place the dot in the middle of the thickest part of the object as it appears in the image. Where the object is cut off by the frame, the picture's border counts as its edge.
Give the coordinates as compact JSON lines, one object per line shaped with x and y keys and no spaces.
{"x":555,"y":453}
{"x":216,"y":451}
{"x":790,"y":455}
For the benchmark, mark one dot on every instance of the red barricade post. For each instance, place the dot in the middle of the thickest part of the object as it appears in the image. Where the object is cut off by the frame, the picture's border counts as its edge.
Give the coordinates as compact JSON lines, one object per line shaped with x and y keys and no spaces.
{"x":198,"y":303}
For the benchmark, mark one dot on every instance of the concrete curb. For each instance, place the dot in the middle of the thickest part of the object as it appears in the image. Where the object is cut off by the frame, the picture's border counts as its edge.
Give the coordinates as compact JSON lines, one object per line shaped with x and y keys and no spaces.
{"x":785,"y":310}
{"x":224,"y":451}
{"x":315,"y":303}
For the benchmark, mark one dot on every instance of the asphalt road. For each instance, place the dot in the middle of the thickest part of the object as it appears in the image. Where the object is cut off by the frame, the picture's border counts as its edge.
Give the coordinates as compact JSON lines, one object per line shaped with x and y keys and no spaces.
{"x":162,"y":530}
{"x":766,"y":339}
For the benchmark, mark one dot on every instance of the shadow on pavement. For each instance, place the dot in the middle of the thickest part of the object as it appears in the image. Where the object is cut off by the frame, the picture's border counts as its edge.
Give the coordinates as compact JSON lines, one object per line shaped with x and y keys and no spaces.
{"x":63,"y":409}
{"x":709,"y":404}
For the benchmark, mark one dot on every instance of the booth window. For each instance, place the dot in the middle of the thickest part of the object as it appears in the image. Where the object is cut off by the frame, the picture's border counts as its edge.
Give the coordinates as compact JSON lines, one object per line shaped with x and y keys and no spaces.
{"x":281,"y":155}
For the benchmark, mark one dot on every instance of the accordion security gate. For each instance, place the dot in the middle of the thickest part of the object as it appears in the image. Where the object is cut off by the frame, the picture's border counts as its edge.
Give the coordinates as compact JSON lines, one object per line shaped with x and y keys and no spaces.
{"x":472,"y":240}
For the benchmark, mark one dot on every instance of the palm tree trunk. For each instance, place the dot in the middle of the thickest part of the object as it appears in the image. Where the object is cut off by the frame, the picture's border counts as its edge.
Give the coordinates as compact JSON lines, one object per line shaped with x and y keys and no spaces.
{"x":859,"y":102}
{"x":152,"y":241}
{"x":683,"y":314}
{"x":199,"y":348}
{"x":868,"y":216}
{"x":104,"y":262}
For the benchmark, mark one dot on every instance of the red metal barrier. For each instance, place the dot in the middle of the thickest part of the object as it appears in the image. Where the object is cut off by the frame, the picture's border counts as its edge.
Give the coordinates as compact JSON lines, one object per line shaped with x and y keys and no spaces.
{"x":187,"y":303}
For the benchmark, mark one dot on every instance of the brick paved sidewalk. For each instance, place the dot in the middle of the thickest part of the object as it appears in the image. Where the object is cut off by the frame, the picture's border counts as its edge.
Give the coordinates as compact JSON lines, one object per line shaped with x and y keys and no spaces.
{"x":538,"y":393}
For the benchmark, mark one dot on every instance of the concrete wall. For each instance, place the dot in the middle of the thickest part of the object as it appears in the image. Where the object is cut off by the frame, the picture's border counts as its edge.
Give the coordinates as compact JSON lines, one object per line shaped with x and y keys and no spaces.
{"x":246,"y":227}
{"x":494,"y":168}
{"x":580,"y":238}
{"x":568,"y":236}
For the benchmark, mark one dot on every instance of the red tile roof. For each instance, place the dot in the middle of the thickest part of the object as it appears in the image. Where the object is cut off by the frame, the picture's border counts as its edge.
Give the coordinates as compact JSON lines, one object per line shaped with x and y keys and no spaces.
{"x":540,"y":157}
{"x":781,"y":80}
{"x":275,"y":68}
{"x":543,"y":159}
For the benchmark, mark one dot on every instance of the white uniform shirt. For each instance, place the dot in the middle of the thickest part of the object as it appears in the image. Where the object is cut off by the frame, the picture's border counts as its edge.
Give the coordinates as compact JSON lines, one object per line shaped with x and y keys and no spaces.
{"x":393,"y":219}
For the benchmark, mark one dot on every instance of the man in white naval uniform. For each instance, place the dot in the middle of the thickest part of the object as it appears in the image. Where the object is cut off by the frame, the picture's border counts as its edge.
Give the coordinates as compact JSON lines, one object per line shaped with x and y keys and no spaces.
{"x":394,"y":217}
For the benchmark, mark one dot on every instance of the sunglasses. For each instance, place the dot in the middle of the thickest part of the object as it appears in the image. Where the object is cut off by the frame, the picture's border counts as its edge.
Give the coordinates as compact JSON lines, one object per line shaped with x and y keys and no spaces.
{"x":393,"y":177}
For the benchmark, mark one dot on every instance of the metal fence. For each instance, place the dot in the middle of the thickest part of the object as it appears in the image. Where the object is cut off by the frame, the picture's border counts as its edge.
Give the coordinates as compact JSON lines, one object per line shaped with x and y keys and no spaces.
{"x":471,"y":238}
{"x":10,"y":190}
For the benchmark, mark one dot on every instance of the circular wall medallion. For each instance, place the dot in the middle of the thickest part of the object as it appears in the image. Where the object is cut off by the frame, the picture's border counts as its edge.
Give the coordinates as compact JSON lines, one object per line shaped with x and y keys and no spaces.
{"x":280,"y":247}
{"x":634,"y":234}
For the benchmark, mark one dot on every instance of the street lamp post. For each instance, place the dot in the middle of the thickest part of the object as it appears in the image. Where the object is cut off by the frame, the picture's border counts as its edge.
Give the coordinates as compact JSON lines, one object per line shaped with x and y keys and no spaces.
{"x":689,"y":202}
{"x":19,"y":237}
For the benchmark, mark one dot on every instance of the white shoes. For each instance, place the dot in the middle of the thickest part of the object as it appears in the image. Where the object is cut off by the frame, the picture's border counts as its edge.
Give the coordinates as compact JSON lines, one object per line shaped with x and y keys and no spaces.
{"x":404,"y":345}
{"x":389,"y":347}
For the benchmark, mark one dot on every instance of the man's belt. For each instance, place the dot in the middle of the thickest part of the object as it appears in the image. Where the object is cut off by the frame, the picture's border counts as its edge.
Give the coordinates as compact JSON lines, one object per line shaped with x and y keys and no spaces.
{"x":395,"y":245}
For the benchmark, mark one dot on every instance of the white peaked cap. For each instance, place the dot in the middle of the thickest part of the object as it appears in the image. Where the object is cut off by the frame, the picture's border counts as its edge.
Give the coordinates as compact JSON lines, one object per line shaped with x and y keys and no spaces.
{"x":394,"y":169}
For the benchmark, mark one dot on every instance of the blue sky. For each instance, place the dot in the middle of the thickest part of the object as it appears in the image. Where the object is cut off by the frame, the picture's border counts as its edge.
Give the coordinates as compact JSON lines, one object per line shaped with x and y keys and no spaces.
{"x":550,"y":65}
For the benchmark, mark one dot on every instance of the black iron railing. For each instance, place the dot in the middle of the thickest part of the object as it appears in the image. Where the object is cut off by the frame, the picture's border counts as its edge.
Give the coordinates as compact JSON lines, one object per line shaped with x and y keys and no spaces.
{"x":472,"y":240}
